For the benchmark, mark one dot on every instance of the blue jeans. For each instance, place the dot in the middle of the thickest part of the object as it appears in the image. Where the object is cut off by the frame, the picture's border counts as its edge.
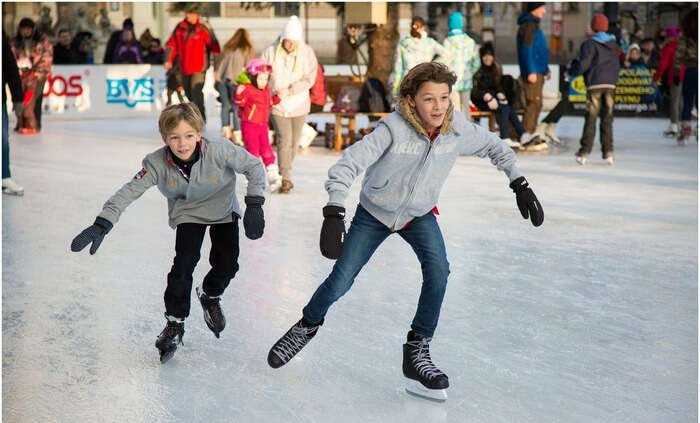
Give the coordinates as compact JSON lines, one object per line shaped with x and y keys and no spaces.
{"x":690,"y":91}
{"x":506,"y":114}
{"x":226,"y":90}
{"x":5,"y":143}
{"x":364,"y":236}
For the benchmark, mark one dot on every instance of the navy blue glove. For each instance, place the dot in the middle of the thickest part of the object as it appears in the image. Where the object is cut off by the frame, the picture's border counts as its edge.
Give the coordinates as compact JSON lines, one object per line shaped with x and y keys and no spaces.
{"x":332,"y":232}
{"x":528,"y":203}
{"x":95,"y":234}
{"x":254,"y":218}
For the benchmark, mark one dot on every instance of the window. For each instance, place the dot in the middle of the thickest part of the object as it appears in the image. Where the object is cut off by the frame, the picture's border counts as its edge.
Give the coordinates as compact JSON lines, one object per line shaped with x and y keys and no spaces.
{"x":286,"y":9}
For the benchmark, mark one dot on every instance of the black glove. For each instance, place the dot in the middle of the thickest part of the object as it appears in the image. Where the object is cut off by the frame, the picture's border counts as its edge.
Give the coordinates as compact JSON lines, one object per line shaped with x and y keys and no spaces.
{"x":254,"y":218}
{"x":528,"y":203}
{"x":95,"y":234}
{"x":332,"y":232}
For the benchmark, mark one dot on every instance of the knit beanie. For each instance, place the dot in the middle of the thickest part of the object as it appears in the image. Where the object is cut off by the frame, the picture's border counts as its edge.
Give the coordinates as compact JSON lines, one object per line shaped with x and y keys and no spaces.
{"x":534,"y":5}
{"x":487,"y":48}
{"x":292,"y":29}
{"x":455,"y":21}
{"x":672,"y":31}
{"x":599,"y":23}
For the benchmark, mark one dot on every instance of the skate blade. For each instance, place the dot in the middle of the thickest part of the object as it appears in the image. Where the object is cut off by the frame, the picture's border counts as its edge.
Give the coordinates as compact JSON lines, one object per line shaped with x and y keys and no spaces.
{"x":167,"y":355}
{"x":417,"y":389}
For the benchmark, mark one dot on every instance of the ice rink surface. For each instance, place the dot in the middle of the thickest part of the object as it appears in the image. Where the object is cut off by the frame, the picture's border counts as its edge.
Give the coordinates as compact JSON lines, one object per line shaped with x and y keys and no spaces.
{"x":590,"y":318}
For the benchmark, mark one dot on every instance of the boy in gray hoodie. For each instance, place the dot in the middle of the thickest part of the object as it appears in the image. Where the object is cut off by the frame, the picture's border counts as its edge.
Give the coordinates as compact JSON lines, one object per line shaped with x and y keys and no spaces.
{"x":406,"y":160}
{"x":198,"y":177}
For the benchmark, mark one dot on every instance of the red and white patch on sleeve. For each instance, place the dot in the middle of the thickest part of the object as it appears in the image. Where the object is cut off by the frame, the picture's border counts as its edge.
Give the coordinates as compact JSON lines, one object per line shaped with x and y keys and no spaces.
{"x":141,"y":173}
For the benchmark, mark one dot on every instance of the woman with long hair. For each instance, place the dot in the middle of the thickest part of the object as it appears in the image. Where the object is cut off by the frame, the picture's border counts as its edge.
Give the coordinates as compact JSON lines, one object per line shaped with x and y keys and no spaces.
{"x":233,"y":60}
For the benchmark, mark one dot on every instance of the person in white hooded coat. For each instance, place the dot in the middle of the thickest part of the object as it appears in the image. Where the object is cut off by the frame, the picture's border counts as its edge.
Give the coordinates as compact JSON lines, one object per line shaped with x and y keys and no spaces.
{"x":294,"y":66}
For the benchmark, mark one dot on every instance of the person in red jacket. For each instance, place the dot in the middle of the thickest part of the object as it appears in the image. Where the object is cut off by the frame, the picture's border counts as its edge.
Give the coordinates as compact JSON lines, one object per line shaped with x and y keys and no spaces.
{"x":254,"y":102}
{"x":673,"y":80}
{"x":318,"y":91}
{"x":190,"y":41}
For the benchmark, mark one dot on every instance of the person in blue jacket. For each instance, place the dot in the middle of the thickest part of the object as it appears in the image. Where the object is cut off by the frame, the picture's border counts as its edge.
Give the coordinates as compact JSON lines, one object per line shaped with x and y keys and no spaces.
{"x":533,"y":58}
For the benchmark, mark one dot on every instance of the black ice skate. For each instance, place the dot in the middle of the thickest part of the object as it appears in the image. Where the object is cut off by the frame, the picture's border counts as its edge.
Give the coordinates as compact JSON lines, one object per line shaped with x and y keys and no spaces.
{"x":291,"y":343}
{"x":169,"y":338}
{"x":212,"y":312}
{"x":427,"y":380}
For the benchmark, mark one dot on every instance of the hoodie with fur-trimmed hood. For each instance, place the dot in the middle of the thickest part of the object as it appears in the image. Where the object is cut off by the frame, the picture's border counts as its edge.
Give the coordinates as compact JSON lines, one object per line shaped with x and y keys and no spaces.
{"x":293,"y":73}
{"x":405,"y":170}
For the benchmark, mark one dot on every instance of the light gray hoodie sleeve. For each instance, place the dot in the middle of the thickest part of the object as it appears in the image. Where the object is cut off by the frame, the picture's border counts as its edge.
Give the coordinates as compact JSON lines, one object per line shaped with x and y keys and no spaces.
{"x":481,"y":143}
{"x":129,"y":192}
{"x":241,"y":161}
{"x":355,"y":160}
{"x":310,"y":65}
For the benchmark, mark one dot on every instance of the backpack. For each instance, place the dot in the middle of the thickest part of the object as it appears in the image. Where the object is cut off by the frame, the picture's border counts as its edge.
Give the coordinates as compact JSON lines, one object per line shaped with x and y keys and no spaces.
{"x":347,"y":100}
{"x":373,"y":97}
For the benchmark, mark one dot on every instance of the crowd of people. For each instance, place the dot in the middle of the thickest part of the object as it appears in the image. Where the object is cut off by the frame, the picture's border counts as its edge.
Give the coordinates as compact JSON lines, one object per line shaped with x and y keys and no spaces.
{"x":286,"y":83}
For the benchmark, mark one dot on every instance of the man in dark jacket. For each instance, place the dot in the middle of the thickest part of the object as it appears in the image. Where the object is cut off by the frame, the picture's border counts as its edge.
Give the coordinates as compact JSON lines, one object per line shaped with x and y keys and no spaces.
{"x":63,"y":51}
{"x":191,"y":42}
{"x":600,"y":66}
{"x":10,"y":77}
{"x":533,"y":58}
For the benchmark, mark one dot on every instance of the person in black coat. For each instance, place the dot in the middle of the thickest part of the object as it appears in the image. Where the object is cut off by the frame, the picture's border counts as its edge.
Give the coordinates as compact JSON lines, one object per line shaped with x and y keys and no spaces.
{"x":488,"y":95}
{"x":114,"y":39}
{"x":64,"y":52}
{"x":10,"y":77}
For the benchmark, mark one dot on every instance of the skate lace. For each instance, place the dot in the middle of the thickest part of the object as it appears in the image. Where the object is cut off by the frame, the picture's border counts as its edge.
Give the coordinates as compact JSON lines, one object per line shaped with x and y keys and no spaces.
{"x":422,"y":360}
{"x":174,"y":329}
{"x":212,"y":306}
{"x":293,"y":342}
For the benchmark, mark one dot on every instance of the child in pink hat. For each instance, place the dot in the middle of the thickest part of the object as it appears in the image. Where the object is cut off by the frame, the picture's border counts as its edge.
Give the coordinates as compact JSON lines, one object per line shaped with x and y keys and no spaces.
{"x":254,"y":102}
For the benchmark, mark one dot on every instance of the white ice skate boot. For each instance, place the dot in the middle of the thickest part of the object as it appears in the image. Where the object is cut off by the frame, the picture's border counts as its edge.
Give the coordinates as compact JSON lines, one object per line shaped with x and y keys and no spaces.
{"x":237,"y":138}
{"x":581,"y":159}
{"x":672,"y":131}
{"x":549,"y":131}
{"x":10,"y":187}
{"x":512,"y":144}
{"x":274,"y":180}
{"x":608,"y":159}
{"x":426,"y":380}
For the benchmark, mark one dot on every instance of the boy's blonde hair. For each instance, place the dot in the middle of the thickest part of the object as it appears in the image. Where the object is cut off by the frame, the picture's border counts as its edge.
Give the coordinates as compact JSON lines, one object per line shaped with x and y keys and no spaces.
{"x":172,"y":115}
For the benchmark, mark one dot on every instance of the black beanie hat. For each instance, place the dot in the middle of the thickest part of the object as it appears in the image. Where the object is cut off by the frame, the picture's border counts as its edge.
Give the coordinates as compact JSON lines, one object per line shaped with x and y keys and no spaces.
{"x":487,"y":48}
{"x":534,"y":5}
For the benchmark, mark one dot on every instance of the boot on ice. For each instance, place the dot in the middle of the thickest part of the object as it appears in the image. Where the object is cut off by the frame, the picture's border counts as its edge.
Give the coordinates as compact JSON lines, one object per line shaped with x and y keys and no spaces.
{"x":427,"y":380}
{"x":169,"y":338}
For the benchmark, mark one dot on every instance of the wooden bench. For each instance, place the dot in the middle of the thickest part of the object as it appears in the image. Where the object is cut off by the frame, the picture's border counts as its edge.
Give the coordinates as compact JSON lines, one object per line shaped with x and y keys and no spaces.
{"x":338,"y":139}
{"x":493,"y":125}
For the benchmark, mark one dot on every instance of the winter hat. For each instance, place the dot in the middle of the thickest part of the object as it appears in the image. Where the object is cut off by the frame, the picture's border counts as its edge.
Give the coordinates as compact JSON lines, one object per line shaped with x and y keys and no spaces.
{"x":599,"y":23}
{"x":292,"y":29}
{"x":534,"y":5}
{"x":258,"y":65}
{"x":487,"y":48}
{"x":672,"y":31}
{"x":455,"y":21}
{"x":128,"y":23}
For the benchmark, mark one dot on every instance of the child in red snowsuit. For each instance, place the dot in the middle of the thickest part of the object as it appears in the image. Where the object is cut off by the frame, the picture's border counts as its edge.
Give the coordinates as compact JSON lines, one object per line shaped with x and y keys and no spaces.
{"x":254,"y":102}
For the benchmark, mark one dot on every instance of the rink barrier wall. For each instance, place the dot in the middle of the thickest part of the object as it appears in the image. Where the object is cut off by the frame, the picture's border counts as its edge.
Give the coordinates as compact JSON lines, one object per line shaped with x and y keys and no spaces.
{"x":76,"y":92}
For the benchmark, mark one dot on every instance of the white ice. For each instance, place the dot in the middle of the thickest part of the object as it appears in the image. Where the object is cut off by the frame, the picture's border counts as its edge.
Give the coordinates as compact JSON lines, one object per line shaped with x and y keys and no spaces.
{"x":590,"y":318}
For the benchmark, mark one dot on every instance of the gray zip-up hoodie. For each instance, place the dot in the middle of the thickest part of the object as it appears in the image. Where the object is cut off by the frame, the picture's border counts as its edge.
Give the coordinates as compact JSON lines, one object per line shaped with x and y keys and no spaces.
{"x":209,"y":197}
{"x":405,"y":171}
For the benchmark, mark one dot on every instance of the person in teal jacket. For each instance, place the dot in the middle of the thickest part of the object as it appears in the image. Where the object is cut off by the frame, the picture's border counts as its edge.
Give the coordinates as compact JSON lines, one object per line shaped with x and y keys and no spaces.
{"x":463,"y":59}
{"x":405,"y":162}
{"x":533,"y":58}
